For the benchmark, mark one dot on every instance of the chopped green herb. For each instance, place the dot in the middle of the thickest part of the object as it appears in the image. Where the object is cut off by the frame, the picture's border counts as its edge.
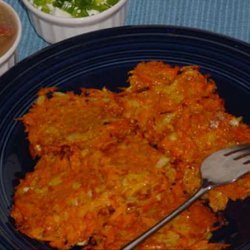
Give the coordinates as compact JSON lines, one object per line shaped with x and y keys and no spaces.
{"x":76,"y":8}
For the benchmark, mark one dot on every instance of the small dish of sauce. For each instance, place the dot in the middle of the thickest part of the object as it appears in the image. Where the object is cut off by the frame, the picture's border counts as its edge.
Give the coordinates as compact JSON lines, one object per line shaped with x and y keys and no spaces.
{"x":10,"y":33}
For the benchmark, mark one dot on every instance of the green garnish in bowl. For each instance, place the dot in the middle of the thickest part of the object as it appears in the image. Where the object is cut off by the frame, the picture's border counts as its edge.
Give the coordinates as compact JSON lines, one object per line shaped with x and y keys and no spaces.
{"x":76,"y":8}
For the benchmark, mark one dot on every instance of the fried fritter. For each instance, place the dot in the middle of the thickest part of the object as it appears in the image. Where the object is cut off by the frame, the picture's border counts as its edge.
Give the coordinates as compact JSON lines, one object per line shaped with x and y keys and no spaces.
{"x":112,"y":164}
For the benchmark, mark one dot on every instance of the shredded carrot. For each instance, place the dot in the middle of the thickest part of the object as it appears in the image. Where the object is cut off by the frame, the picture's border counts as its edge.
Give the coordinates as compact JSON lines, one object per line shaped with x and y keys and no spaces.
{"x":112,"y":164}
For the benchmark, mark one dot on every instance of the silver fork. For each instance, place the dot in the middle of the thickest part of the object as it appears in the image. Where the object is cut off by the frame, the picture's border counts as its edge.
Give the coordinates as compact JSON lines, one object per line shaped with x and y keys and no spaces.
{"x":222,"y":167}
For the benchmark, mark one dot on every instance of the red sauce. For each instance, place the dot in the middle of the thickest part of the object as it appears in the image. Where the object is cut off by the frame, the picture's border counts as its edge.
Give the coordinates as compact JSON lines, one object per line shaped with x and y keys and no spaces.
{"x":8,"y":29}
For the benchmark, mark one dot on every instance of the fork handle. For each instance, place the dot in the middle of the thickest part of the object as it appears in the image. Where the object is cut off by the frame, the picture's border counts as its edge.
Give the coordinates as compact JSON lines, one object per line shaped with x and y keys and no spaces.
{"x":166,"y":219}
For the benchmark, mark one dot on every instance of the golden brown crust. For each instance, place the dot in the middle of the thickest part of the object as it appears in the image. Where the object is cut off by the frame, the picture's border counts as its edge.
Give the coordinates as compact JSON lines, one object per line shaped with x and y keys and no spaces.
{"x":113,"y":164}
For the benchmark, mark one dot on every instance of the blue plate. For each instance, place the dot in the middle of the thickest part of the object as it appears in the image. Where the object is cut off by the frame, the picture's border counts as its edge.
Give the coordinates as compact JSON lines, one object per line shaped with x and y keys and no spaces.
{"x":103,"y":58}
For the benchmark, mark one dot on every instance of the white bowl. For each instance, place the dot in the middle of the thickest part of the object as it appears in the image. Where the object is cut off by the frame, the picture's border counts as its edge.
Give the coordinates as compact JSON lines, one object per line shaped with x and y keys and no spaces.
{"x":9,"y":58}
{"x":55,"y":28}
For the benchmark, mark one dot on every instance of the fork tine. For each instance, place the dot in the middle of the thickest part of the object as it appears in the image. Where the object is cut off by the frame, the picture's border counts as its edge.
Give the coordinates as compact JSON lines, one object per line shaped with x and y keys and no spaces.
{"x":238,"y":149}
{"x":243,"y":155}
{"x":246,"y":162}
